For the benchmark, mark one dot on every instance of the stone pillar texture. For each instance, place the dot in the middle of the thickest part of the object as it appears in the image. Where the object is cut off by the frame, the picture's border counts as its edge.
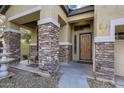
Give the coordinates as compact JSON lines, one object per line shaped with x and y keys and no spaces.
{"x":65,"y":53}
{"x":12,"y":40}
{"x":48,"y":38}
{"x":104,"y":61}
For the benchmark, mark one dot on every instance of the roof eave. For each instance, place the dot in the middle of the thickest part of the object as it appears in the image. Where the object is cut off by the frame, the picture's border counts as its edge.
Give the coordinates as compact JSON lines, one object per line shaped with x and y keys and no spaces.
{"x":77,"y":11}
{"x":4,"y":9}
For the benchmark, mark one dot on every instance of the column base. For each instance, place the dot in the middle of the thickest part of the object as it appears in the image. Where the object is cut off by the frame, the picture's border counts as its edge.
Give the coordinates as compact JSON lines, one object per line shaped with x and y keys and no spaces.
{"x":3,"y":70}
{"x":49,"y":68}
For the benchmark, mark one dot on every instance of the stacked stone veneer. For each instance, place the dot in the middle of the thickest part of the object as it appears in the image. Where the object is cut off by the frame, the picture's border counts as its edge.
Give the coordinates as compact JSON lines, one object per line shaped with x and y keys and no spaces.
{"x":1,"y":46}
{"x":48,"y":47}
{"x":104,"y":60}
{"x":33,"y":50}
{"x":65,"y":53}
{"x":12,"y":40}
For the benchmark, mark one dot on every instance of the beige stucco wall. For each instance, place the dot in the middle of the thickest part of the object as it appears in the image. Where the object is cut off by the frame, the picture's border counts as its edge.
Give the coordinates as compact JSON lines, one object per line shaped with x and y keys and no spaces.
{"x":119,"y":53}
{"x":119,"y":57}
{"x":13,"y":25}
{"x":24,"y":50}
{"x":52,"y":11}
{"x":34,"y":36}
{"x":65,"y":33}
{"x":103,"y":16}
{"x":15,"y":9}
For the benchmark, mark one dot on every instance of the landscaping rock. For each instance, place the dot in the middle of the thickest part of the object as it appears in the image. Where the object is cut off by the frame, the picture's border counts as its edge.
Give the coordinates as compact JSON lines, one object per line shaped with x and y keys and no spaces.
{"x":23,"y":79}
{"x":99,"y":84}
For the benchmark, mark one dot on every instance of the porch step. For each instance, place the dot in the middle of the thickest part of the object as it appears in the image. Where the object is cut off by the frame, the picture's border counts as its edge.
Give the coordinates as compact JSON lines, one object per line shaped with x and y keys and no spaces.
{"x":30,"y":69}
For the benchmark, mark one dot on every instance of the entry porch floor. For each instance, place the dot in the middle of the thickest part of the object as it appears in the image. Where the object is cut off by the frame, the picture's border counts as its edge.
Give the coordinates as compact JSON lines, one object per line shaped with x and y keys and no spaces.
{"x":75,"y":75}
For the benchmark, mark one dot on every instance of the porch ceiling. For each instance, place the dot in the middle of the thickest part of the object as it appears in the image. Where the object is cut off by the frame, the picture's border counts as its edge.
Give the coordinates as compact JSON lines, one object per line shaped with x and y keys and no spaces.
{"x":27,"y":18}
{"x":32,"y":24}
{"x":61,"y":21}
{"x":81,"y":21}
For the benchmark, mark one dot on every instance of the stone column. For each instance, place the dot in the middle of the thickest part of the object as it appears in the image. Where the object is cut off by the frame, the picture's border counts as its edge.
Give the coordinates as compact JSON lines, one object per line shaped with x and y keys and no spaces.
{"x":12,"y":39}
{"x":104,"y":61}
{"x":65,"y":52}
{"x":48,"y":37}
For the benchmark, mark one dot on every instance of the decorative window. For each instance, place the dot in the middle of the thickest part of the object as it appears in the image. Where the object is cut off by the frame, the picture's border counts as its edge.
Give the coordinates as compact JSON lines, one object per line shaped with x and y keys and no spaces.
{"x":82,"y":27}
{"x":75,"y":44}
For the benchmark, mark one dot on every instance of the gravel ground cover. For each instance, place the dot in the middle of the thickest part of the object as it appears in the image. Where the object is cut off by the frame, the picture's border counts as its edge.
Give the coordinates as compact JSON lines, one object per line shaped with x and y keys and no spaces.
{"x":99,"y":84}
{"x":23,"y":79}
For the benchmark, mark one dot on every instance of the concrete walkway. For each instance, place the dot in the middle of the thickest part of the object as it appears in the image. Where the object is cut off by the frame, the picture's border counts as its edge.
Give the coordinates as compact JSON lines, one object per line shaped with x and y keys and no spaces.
{"x":119,"y":81}
{"x":74,"y":75}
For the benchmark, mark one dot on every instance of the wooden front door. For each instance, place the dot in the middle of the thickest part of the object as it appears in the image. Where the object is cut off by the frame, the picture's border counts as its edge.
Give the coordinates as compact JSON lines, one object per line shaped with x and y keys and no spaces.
{"x":85,"y":46}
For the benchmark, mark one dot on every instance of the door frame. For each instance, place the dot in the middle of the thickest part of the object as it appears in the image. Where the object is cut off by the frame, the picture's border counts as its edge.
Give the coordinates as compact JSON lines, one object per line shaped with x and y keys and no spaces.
{"x":80,"y":46}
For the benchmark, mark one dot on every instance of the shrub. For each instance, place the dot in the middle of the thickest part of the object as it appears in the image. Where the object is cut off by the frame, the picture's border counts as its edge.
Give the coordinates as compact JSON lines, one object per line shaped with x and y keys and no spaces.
{"x":25,"y":57}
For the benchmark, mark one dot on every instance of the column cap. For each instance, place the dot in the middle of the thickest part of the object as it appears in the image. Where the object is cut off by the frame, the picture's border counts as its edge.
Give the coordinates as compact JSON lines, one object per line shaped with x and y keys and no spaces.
{"x":104,"y":39}
{"x":48,"y":20}
{"x":65,"y":43}
{"x":33,"y":44}
{"x":12,"y":30}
